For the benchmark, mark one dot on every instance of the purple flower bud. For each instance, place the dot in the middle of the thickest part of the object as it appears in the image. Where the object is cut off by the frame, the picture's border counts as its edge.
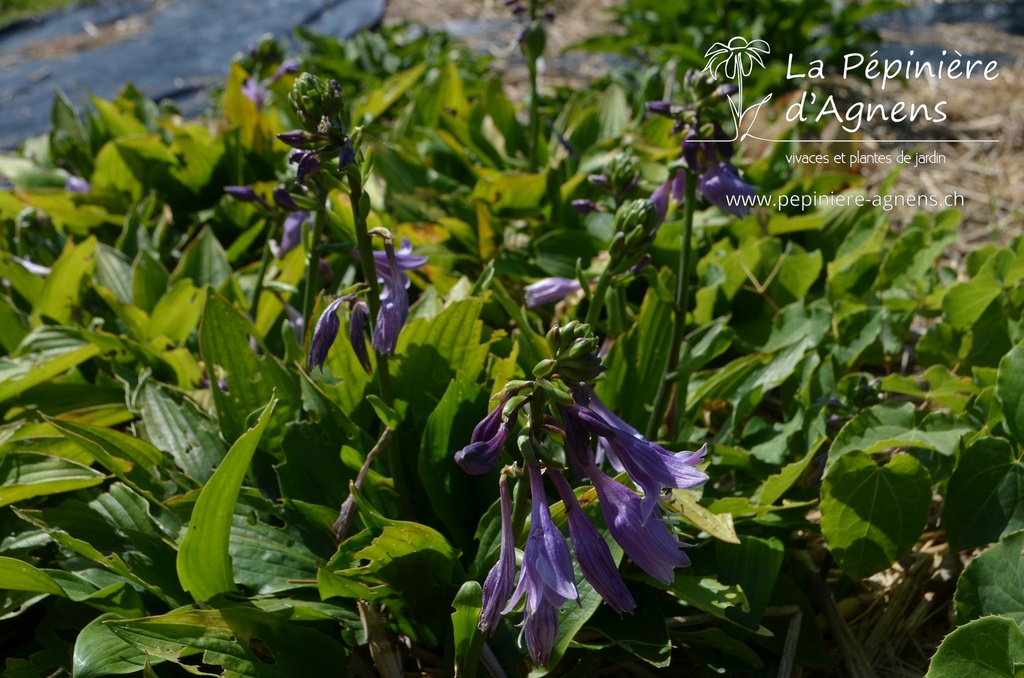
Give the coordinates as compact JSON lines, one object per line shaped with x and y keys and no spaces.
{"x":297,"y":138}
{"x":346,"y":156}
{"x":649,"y":543}
{"x":324,"y":334}
{"x":660,"y":199}
{"x":487,"y":428}
{"x":324,"y":270}
{"x":691,"y":151}
{"x":244,"y":194}
{"x":404,"y":258}
{"x":723,"y":142}
{"x":479,"y":457}
{"x":546,"y":290}
{"x":726,"y":90}
{"x":309,"y":164}
{"x":659,"y":107}
{"x":549,"y":14}
{"x":295,"y":319}
{"x":294,"y":225}
{"x":722,"y":187}
{"x":584,"y":206}
{"x":598,"y":180}
{"x":592,"y":552}
{"x":546,"y":579}
{"x":288,"y":66}
{"x":501,"y":580}
{"x":639,"y":266}
{"x":284,"y":199}
{"x":358,"y":318}
{"x":76,"y":185}
{"x":518,"y":9}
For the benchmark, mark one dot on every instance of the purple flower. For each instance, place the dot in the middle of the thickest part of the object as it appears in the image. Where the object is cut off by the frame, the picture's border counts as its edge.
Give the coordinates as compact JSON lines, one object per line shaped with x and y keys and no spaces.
{"x":324,"y":334}
{"x":546,"y":290}
{"x":291,"y":236}
{"x":546,"y":578}
{"x":308,"y":164}
{"x":346,"y":156}
{"x":679,"y":186}
{"x":295,"y":319}
{"x":650,"y":544}
{"x":722,"y":187}
{"x":357,"y":332}
{"x":405,"y":260}
{"x":256,"y":92}
{"x":652,"y":467}
{"x":659,"y":107}
{"x":76,"y":185}
{"x":394,"y":306}
{"x":660,"y":198}
{"x":501,"y":580}
{"x":592,"y":552}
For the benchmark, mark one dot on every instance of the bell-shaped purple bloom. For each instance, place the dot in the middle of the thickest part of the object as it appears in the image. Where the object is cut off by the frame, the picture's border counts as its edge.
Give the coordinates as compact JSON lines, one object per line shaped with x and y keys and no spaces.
{"x":501,"y":580}
{"x":679,"y":186}
{"x":76,"y":185}
{"x":394,"y":307}
{"x":547,"y":290}
{"x":324,"y":334}
{"x":287,"y":66}
{"x":592,"y":552}
{"x":405,"y":260}
{"x":308,"y":164}
{"x":653,"y":468}
{"x":479,"y":456}
{"x":650,"y":544}
{"x":358,"y":317}
{"x":722,"y":187}
{"x":546,"y":578}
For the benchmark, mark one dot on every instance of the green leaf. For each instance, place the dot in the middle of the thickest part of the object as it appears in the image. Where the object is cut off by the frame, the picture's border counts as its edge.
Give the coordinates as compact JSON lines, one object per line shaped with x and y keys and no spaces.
{"x":709,"y":595}
{"x":753,"y":564}
{"x":457,"y":499}
{"x":25,"y":475}
{"x":181,"y":430}
{"x":252,"y":380}
{"x":204,"y":262}
{"x":387,"y":415}
{"x":985,"y":495}
{"x":56,"y":352}
{"x":204,"y":564}
{"x":873,"y":515}
{"x":1010,"y":391}
{"x":247,"y":642}
{"x":101,"y":652}
{"x":374,"y":103}
{"x":993,"y":583}
{"x":17,"y":575}
{"x":117,"y":452}
{"x":889,"y":425}
{"x":60,"y":294}
{"x":468,"y":639}
{"x":991,"y":647}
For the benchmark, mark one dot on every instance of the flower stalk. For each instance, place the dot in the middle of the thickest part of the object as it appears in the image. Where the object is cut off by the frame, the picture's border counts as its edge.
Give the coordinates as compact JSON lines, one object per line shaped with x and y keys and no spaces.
{"x":679,"y":325}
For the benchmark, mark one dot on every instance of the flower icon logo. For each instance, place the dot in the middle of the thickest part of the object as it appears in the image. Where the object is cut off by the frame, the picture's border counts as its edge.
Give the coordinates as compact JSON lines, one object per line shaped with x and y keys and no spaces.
{"x":735,"y":60}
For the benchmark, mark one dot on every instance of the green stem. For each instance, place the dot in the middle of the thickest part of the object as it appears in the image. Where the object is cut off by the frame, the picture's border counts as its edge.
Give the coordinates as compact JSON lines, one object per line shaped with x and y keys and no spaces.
{"x":365,"y":245}
{"x":520,"y":505}
{"x":261,"y":272}
{"x":597,"y":300}
{"x":679,"y":326}
{"x":534,"y":115}
{"x":313,"y":269}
